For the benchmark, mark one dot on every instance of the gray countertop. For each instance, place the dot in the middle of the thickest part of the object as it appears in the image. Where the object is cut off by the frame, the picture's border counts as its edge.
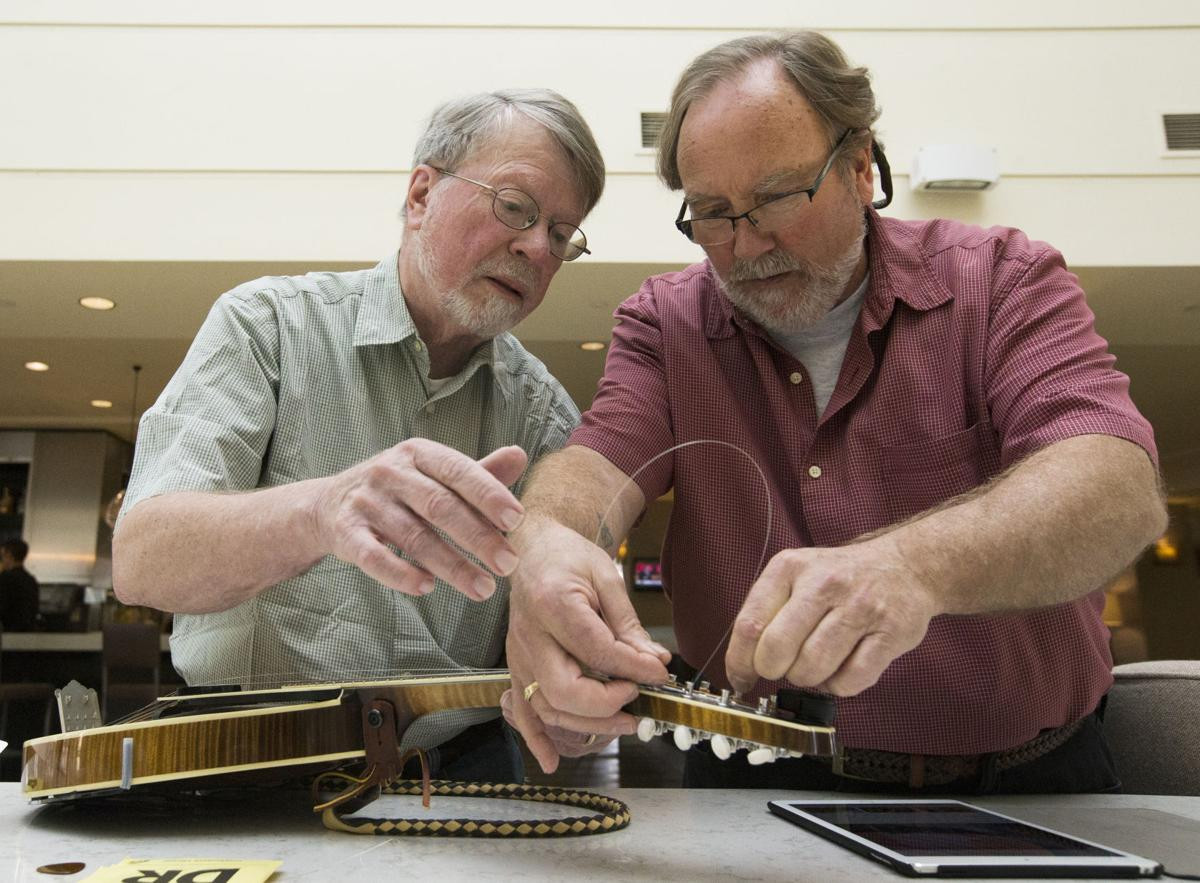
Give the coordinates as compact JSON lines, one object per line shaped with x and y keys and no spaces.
{"x":675,"y":835}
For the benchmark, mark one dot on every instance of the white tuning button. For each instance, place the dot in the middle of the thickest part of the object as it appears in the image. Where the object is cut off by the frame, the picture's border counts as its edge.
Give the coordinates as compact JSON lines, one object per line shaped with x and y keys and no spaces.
{"x":721,"y":747}
{"x":684,"y":738}
{"x":759,"y":756}
{"x":647,"y":728}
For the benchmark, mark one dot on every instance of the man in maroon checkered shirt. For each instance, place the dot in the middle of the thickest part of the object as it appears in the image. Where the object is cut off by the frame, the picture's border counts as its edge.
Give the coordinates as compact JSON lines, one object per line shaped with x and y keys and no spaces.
{"x":951,"y":462}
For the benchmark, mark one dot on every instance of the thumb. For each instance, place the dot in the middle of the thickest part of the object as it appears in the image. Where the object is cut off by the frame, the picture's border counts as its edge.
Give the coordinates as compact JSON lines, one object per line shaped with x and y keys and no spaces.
{"x":622,"y":619}
{"x":506,"y":464}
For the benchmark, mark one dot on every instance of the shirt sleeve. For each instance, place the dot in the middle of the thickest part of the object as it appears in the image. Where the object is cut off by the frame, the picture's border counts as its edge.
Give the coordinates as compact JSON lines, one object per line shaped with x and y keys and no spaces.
{"x":549,"y":423}
{"x":210,"y":428}
{"x":629,"y":422}
{"x":1049,"y":374}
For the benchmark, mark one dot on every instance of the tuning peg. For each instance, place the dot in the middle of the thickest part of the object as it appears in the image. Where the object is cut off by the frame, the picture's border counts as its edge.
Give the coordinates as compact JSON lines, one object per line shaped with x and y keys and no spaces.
{"x":647,"y":728}
{"x":725,"y":696}
{"x":722,"y":747}
{"x":684,"y":738}
{"x":704,"y":685}
{"x":761,"y":755}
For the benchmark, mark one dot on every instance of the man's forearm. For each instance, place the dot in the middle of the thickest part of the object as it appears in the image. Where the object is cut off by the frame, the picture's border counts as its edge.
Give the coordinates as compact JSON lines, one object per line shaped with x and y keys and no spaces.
{"x":1057,"y":525}
{"x":581,"y":490}
{"x":201,"y":552}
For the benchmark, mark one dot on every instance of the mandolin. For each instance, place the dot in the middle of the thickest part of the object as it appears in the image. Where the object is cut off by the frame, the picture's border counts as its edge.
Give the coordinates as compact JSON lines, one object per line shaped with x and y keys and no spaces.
{"x":230,"y":736}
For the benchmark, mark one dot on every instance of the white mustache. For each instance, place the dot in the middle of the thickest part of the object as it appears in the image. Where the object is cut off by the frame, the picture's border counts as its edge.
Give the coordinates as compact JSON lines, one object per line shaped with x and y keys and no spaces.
{"x":511,"y":268}
{"x":770,"y":264}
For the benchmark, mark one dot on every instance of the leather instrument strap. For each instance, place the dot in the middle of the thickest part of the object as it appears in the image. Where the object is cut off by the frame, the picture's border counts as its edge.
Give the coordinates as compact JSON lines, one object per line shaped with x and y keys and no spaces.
{"x":384,"y":763}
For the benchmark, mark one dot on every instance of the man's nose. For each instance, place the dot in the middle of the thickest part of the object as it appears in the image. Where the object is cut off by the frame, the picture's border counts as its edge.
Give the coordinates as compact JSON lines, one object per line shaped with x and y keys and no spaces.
{"x":532,"y":243}
{"x":749,"y":241}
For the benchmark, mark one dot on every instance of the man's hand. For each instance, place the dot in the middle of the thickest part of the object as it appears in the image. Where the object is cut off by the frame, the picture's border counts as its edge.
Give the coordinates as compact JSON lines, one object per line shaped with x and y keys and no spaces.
{"x":829,"y":618}
{"x":570,"y":612}
{"x":400,"y":495}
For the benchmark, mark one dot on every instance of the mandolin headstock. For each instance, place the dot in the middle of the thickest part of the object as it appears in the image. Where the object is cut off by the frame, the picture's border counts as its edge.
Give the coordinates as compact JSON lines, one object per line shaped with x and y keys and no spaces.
{"x":694,"y":713}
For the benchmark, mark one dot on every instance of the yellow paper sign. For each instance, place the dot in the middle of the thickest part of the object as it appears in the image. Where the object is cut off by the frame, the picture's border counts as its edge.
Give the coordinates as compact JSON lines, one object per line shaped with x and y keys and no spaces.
{"x":187,"y":870}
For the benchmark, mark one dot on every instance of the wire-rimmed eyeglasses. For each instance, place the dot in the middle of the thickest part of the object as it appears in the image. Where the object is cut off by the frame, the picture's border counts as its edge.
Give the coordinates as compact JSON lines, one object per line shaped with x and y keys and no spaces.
{"x":518,"y":210}
{"x":768,"y":216}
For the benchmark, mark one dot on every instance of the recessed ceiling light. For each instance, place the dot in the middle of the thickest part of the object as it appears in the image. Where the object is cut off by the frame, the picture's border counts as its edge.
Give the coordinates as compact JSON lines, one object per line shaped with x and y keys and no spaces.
{"x":591,"y":345}
{"x":96,"y":303}
{"x":101,"y":403}
{"x":37,"y":366}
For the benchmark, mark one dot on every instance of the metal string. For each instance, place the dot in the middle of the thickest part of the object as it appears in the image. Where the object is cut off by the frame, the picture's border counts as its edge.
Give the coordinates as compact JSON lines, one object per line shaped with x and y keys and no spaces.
{"x":766,"y":537}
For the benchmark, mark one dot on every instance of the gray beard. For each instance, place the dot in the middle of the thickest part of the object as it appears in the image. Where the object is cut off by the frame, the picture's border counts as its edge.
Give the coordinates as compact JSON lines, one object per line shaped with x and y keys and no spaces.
{"x":798,"y":303}
{"x":480,"y":317}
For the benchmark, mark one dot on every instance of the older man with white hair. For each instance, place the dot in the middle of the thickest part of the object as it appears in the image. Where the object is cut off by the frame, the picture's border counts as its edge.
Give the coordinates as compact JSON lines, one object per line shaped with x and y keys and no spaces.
{"x":322,"y":490}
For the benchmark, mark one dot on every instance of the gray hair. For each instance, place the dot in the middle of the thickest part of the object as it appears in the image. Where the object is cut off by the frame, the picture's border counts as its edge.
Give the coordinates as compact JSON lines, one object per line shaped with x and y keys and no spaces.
{"x":464,"y":125}
{"x":840,"y":94}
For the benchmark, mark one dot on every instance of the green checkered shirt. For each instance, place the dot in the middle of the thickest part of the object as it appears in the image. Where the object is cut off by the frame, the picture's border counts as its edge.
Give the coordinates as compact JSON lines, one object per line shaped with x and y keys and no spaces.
{"x":292,"y":378}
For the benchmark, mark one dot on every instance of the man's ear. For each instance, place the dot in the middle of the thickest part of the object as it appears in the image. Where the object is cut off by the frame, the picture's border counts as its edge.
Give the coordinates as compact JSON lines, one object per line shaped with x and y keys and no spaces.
{"x":864,"y":175}
{"x":416,"y":203}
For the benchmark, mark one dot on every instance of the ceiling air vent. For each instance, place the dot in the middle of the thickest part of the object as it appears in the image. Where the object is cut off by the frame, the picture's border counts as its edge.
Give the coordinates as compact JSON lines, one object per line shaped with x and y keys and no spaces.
{"x":652,"y":126}
{"x":1183,"y":130}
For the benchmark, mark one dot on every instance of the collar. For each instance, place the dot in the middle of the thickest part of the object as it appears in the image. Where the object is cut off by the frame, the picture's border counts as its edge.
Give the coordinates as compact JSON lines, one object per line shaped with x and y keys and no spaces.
{"x":383,"y":318}
{"x":898,"y":267}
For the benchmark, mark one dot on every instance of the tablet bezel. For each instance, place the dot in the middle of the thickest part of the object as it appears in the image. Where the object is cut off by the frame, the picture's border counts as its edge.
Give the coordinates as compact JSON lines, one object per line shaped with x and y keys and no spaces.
{"x":1119,"y":864}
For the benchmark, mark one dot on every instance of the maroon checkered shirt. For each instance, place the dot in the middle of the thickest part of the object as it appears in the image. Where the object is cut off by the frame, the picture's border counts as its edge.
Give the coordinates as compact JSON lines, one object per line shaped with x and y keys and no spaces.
{"x":974,"y":348}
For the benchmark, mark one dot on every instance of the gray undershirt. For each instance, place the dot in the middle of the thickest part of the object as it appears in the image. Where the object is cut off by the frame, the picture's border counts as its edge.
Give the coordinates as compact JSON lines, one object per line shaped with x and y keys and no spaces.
{"x":822,"y":348}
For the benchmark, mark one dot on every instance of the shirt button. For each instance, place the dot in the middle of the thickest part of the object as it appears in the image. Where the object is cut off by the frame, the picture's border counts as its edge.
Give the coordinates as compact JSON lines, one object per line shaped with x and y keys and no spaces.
{"x":814,"y":471}
{"x":417,"y":345}
{"x":796,"y":377}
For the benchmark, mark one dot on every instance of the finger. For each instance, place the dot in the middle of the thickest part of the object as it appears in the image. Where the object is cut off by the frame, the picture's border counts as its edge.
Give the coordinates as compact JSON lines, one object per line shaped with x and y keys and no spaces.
{"x":810,"y":637}
{"x":824,"y":652}
{"x":861,"y":669}
{"x":627,"y":630}
{"x":404,"y":530}
{"x":470,"y":480}
{"x":563,"y":688}
{"x":439,"y":506}
{"x":866,"y":664}
{"x":377,"y":561}
{"x":529,"y":725}
{"x":506,"y":464}
{"x":578,"y":744}
{"x":594,"y":646}
{"x":619,"y":724}
{"x":766,"y":597}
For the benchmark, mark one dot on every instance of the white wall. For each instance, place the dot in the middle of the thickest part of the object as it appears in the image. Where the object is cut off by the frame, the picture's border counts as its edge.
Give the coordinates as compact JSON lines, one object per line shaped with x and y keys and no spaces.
{"x":278,"y":131}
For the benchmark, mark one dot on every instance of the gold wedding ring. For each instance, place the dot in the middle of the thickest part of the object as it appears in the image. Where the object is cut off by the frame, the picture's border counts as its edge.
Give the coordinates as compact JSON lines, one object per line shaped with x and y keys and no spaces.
{"x":590,"y":740}
{"x":530,"y":690}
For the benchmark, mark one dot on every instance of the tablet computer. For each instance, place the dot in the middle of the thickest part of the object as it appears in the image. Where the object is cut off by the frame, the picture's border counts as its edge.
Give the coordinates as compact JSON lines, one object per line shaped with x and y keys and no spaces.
{"x":949,"y":838}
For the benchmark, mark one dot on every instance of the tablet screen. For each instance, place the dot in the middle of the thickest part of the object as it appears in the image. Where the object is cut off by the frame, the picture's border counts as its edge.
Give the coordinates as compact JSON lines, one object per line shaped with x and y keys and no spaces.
{"x":946,"y":829}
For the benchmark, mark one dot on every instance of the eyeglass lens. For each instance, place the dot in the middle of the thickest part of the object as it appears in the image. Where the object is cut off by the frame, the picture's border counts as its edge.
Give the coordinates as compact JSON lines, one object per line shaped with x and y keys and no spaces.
{"x":516,"y":209}
{"x":768,"y":218}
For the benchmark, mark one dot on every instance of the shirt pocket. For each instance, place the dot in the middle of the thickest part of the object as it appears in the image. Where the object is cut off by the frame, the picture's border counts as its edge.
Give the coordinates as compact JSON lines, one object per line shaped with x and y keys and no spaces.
{"x":920,"y":475}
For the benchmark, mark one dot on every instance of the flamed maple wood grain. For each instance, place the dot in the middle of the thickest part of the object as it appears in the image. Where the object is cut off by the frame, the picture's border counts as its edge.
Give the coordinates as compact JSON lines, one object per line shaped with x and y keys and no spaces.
{"x":260,"y":738}
{"x":231,"y":735}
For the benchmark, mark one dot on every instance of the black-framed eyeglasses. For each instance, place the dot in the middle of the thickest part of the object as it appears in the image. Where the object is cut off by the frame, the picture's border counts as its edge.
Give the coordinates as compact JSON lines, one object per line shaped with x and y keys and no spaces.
{"x":517,"y":209}
{"x":768,"y":216}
